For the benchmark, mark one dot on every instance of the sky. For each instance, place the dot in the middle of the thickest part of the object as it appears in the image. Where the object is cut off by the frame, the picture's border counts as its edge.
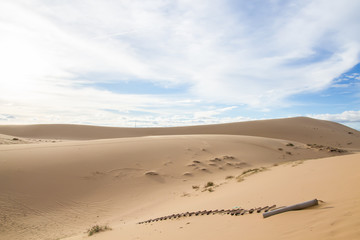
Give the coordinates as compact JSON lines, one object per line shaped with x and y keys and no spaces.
{"x":160,"y":63}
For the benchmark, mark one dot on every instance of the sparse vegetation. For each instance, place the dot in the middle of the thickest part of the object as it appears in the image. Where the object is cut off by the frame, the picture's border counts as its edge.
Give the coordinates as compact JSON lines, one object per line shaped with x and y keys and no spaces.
{"x":229,"y":177}
{"x":288,"y":153}
{"x":151,"y":173}
{"x":15,"y":139}
{"x":209,"y":184}
{"x":195,"y":187}
{"x":249,"y":172}
{"x":289,"y":145}
{"x":255,"y":170}
{"x":280,"y":149}
{"x":327,"y":148}
{"x":97,"y":229}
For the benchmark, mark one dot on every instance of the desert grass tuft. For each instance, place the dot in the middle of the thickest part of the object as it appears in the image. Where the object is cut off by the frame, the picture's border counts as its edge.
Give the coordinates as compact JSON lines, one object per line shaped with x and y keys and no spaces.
{"x":195,"y":187}
{"x":97,"y":229}
{"x":249,"y":172}
{"x":209,"y":184}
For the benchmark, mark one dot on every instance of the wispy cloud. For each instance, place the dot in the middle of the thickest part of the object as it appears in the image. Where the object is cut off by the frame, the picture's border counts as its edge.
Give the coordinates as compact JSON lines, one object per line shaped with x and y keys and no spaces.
{"x":344,"y":117}
{"x":350,"y":118}
{"x":212,"y":113}
{"x":237,"y":53}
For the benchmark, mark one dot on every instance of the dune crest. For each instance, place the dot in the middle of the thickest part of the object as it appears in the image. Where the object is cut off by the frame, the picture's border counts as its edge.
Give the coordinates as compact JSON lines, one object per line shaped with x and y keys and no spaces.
{"x":301,"y":129}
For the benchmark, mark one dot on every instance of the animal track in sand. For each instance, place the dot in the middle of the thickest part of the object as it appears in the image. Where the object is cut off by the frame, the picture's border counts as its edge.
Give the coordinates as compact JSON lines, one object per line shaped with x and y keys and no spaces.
{"x":151,"y":173}
{"x":215,"y":160}
{"x":114,"y":173}
{"x":167,"y":163}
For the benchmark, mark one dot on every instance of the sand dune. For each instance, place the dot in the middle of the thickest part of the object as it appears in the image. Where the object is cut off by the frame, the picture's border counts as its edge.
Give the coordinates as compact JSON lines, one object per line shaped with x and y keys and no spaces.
{"x":301,"y":129}
{"x":327,"y":179}
{"x":57,"y":190}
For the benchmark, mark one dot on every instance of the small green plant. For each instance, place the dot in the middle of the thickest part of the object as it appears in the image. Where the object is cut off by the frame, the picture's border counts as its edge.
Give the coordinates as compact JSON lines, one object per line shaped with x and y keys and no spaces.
{"x":210,"y":189}
{"x":97,"y":229}
{"x":209,"y":184}
{"x":289,"y":145}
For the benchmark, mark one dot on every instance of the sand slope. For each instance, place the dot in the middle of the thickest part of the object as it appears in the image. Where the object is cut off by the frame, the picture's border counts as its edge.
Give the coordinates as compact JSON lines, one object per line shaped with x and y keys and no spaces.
{"x":326,"y":179}
{"x":56,"y":190}
{"x":301,"y":129}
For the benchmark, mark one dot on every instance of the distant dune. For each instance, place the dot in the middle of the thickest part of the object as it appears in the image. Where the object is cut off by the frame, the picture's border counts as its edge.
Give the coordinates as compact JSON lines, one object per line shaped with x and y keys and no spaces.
{"x":56,"y":181}
{"x":301,"y":129}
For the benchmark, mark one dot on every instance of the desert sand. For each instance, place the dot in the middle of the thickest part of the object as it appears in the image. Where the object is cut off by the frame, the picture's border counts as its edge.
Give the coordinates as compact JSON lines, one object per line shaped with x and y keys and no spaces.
{"x":57,"y":181}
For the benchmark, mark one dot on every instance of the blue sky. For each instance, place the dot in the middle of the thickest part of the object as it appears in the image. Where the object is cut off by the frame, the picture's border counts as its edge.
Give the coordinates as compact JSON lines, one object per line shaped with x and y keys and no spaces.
{"x":175,"y":63}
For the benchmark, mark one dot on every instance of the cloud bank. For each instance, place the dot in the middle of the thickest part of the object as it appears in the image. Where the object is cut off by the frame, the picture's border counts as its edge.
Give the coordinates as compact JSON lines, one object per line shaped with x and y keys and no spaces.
{"x":251,"y":54}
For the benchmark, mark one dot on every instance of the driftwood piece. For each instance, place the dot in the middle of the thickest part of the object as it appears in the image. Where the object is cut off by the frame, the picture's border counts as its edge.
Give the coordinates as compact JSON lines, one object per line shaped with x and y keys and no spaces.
{"x":298,"y":206}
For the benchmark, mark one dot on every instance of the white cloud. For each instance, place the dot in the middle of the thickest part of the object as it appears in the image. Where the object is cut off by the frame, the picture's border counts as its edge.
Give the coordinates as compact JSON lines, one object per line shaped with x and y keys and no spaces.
{"x":344,"y":117}
{"x":349,"y":118}
{"x":226,"y":54}
{"x":211,"y":113}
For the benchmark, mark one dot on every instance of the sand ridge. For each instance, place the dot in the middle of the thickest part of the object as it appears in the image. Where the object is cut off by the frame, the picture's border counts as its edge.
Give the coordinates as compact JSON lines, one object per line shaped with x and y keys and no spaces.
{"x":301,"y":129}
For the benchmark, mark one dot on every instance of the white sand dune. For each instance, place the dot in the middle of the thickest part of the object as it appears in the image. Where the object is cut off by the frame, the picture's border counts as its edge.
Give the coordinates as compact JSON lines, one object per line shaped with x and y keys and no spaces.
{"x":120,"y":176}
